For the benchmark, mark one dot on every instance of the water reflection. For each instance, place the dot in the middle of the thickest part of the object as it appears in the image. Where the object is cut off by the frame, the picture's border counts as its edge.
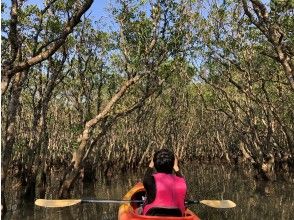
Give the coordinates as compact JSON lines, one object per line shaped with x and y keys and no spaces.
{"x":255,"y":200}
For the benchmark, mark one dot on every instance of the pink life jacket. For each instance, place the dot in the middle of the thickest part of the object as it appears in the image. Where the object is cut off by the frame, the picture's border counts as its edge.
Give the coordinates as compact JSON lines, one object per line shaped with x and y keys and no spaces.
{"x":170,"y":192}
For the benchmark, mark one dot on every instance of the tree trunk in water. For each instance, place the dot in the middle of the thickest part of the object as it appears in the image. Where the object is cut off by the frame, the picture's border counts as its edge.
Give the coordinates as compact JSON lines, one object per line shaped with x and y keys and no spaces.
{"x":68,"y":182}
{"x":9,"y":136}
{"x":85,"y":146}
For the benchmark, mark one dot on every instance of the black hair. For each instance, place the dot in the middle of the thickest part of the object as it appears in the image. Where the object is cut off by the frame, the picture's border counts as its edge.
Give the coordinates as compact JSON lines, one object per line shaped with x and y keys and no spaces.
{"x":164,"y":161}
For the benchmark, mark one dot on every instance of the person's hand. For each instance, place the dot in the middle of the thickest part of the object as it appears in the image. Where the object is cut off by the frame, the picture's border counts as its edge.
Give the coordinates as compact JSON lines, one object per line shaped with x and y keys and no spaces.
{"x":151,"y":164}
{"x":176,"y":166}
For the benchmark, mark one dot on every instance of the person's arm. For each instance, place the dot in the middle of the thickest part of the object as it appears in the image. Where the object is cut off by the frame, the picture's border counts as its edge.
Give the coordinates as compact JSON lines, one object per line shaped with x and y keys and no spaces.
{"x":149,"y":183}
{"x":179,"y":174}
{"x":149,"y":170}
{"x":176,"y":168}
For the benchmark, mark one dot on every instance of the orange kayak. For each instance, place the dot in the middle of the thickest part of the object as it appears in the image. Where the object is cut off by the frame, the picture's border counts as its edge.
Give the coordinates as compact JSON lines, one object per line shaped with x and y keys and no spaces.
{"x":128,"y":211}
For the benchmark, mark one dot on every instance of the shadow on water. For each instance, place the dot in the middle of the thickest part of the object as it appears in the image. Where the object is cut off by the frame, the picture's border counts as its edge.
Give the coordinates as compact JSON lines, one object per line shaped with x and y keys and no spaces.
{"x":255,"y":200}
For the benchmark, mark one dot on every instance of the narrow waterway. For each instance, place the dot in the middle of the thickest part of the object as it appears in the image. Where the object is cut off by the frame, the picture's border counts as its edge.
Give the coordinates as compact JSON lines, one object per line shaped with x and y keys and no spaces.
{"x":254,"y":200}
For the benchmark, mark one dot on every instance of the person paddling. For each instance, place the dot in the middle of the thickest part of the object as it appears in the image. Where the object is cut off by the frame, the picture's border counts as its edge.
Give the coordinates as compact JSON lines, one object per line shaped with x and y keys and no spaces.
{"x":165,"y":191}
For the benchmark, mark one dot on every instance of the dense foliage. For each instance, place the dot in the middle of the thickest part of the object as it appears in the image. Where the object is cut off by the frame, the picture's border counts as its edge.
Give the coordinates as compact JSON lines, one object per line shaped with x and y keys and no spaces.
{"x":213,"y":80}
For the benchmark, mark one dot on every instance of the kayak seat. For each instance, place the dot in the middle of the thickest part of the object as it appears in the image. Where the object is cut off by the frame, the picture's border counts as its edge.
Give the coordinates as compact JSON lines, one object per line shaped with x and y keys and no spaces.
{"x":158,"y":211}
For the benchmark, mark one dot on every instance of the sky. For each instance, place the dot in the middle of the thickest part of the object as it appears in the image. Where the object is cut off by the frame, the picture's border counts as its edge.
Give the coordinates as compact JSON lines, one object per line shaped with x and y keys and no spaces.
{"x":97,"y":11}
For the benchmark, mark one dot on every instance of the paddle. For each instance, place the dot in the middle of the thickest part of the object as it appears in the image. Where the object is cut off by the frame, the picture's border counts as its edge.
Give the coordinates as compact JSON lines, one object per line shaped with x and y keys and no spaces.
{"x":220,"y":204}
{"x":70,"y":202}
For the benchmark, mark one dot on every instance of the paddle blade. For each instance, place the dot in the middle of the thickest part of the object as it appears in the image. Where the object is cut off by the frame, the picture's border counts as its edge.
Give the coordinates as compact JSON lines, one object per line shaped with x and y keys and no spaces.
{"x":56,"y":203}
{"x":223,"y":204}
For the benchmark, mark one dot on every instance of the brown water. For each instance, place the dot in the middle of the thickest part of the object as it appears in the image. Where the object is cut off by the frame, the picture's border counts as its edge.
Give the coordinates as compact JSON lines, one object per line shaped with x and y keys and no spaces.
{"x":254,"y":201}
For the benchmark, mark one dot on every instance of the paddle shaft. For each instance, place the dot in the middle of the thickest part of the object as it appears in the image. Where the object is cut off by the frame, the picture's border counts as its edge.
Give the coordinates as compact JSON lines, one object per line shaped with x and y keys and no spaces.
{"x":210,"y":203}
{"x":187,"y":202}
{"x":190,"y":202}
{"x":109,"y":201}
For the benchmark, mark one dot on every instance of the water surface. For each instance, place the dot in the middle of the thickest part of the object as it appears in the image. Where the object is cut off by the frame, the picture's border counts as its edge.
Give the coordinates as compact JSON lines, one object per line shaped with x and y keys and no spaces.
{"x":255,"y":200}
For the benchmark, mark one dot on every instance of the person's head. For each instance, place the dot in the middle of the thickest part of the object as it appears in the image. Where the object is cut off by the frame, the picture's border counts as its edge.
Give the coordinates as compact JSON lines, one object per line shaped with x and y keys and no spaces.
{"x":164,"y":161}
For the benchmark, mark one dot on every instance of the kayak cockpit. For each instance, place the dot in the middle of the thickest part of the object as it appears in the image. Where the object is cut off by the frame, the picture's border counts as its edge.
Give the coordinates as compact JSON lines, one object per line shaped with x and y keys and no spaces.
{"x":139,"y":195}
